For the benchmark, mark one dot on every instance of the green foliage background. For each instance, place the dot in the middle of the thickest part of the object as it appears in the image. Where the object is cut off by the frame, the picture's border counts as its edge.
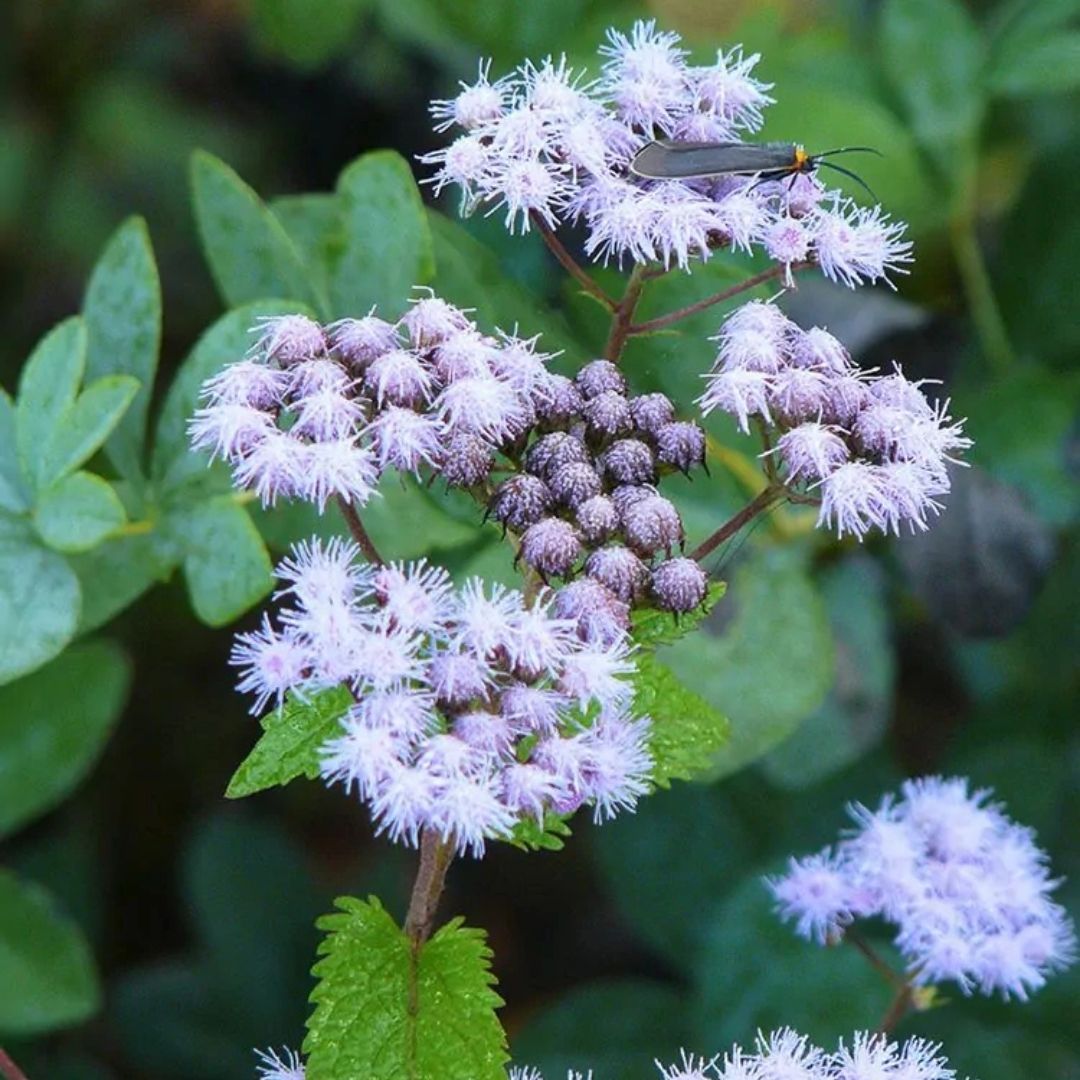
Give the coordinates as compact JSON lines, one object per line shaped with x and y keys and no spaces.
{"x":149,"y":928}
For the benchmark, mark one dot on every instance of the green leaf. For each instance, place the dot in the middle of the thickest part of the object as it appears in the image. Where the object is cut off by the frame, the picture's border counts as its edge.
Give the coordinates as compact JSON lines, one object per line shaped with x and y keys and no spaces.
{"x":651,"y":627}
{"x":388,"y":246}
{"x":122,"y":310}
{"x":14,"y":494}
{"x":39,"y":606}
{"x":53,"y":727}
{"x":225,"y":342}
{"x":614,"y":1027}
{"x":933,"y":54}
{"x":289,"y":745}
{"x":686,"y":730}
{"x":424,"y":1017}
{"x":856,"y":711}
{"x":47,"y":390}
{"x":47,"y":975}
{"x":78,"y":512}
{"x":748,"y":962}
{"x":1035,"y":50}
{"x":250,"y":255}
{"x":531,"y":836}
{"x":98,"y":412}
{"x":225,"y":560}
{"x":773,"y":665}
{"x":287,"y":27}
{"x":314,"y":225}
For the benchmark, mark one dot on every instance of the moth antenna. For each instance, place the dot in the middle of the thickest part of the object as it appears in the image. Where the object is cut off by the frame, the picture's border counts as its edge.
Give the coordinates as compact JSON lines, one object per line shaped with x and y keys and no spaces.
{"x":847,"y":172}
{"x":850,"y":150}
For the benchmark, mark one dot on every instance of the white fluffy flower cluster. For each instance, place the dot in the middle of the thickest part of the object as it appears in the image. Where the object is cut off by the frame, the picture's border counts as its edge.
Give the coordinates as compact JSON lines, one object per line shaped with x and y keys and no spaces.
{"x":546,"y":145}
{"x":787,"y":1055}
{"x":319,"y":412}
{"x":874,"y":448}
{"x":474,"y":710}
{"x":967,"y":888}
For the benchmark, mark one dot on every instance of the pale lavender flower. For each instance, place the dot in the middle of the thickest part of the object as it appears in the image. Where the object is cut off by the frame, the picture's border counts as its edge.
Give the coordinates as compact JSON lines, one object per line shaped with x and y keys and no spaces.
{"x":478,"y":103}
{"x":483,"y":406}
{"x":854,"y":244}
{"x":415,"y":597}
{"x":817,"y":894}
{"x":286,"y":1066}
{"x":344,"y":469}
{"x":323,"y":572}
{"x":276,"y":466}
{"x":229,"y":430}
{"x":645,"y":75}
{"x":617,"y":765}
{"x":288,"y":338}
{"x":271,"y":664}
{"x":468,"y":813}
{"x":811,"y":451}
{"x":463,"y":354}
{"x":728,"y":90}
{"x":431,"y":320}
{"x":362,"y":758}
{"x":359,"y":341}
{"x":247,"y":382}
{"x":398,"y":377}
{"x":854,"y":499}
{"x":688,"y":1068}
{"x":524,"y":188}
{"x":787,"y":241}
{"x":405,"y":439}
{"x":326,"y":415}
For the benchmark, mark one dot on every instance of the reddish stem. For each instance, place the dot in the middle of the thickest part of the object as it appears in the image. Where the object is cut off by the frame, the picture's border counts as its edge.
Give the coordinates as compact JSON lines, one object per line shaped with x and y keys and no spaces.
{"x":624,"y":312}
{"x":764,"y":501}
{"x":570,"y":264}
{"x":435,"y":858}
{"x":359,"y":533}
{"x":8,"y":1068}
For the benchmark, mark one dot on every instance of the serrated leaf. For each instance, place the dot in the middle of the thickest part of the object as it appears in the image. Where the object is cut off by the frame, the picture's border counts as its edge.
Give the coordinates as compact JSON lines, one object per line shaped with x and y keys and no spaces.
{"x":39,"y":605}
{"x":388,"y":247}
{"x":425,"y":1016}
{"x":122,"y":310}
{"x":225,"y":342}
{"x":53,"y":726}
{"x":78,"y":512}
{"x":47,"y":975}
{"x":686,"y":730}
{"x":48,"y":387}
{"x":251,"y":256}
{"x":226,"y":564}
{"x":14,"y":493}
{"x":650,"y":627}
{"x":289,"y":745}
{"x":93,"y":417}
{"x":530,"y":835}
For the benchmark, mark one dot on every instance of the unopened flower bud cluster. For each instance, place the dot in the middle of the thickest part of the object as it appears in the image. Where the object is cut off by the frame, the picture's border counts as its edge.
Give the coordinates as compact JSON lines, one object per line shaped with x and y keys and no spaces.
{"x":545,"y":143}
{"x":474,"y":710}
{"x":586,"y":498}
{"x":320,"y":412}
{"x":874,"y":449}
{"x":967,"y":889}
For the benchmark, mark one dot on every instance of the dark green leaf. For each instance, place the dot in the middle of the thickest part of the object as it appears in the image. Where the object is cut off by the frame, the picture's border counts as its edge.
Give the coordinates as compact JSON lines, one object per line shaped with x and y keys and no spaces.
{"x":616,"y":1028}
{"x":250,"y":254}
{"x":933,"y":54}
{"x":122,"y":310}
{"x":226,"y":563}
{"x":314,"y":225}
{"x":39,"y":599}
{"x":47,"y":389}
{"x":529,"y":835}
{"x":78,"y":512}
{"x":289,"y":745}
{"x":773,"y":664}
{"x":14,"y":494}
{"x":388,"y":246}
{"x":686,"y":730}
{"x":652,"y":627}
{"x":53,"y":727}
{"x":225,"y":342}
{"x":450,"y":1032}
{"x":47,"y":976}
{"x":1035,"y":50}
{"x":287,"y":27}
{"x":856,"y":711}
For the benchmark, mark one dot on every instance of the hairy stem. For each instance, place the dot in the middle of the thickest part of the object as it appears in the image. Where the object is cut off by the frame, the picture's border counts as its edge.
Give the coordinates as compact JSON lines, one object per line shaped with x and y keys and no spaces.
{"x":8,"y":1069}
{"x":623,"y":314}
{"x":765,"y":500}
{"x":435,"y":857}
{"x":897,"y":1010}
{"x":570,"y":264}
{"x":671,"y":317}
{"x":359,"y":533}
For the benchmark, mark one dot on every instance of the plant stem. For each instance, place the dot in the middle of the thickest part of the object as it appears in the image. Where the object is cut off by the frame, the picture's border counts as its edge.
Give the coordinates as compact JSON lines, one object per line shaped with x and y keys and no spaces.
{"x":621,"y":327}
{"x":985,"y":313}
{"x":359,"y":533}
{"x":435,"y":857}
{"x":764,"y":501}
{"x":897,"y":1009}
{"x":663,"y":321}
{"x":876,"y":962}
{"x":570,"y":264}
{"x":8,"y":1068}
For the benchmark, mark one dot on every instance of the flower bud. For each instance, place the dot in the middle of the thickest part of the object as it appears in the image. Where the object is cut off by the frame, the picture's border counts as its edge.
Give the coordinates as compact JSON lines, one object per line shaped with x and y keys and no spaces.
{"x":620,"y":570}
{"x":681,"y":444}
{"x":552,"y":452}
{"x":557,"y":401}
{"x":520,"y":501}
{"x":651,"y":411}
{"x":607,"y":415}
{"x":398,"y":377}
{"x":601,"y":617}
{"x":597,"y":519}
{"x":679,"y":585}
{"x":359,"y":341}
{"x":629,"y":461}
{"x":599,"y":377}
{"x":574,"y":483}
{"x":468,"y":460}
{"x":651,"y":525}
{"x":290,"y":338}
{"x":627,"y":495}
{"x":551,"y":547}
{"x":431,"y":320}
